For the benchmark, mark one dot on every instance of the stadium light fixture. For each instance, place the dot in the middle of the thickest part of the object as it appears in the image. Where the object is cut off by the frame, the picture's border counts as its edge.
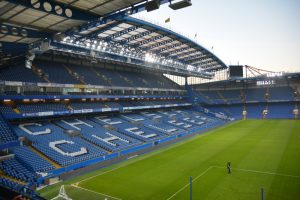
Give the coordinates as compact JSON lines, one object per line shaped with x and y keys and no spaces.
{"x":180,"y":4}
{"x":152,"y":5}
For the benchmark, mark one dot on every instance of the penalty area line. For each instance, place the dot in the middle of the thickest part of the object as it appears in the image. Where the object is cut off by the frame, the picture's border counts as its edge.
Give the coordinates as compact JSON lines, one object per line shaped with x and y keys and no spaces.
{"x":76,"y":186}
{"x":185,"y":186}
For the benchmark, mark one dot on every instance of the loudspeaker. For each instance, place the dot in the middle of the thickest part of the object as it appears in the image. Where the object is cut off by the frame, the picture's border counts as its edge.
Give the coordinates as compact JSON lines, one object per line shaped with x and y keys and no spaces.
{"x":180,"y":4}
{"x":152,"y":5}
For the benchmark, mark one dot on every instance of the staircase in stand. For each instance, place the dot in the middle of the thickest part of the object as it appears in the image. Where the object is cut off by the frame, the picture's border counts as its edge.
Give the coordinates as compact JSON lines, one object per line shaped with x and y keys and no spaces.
{"x":75,"y":75}
{"x":221,"y":96}
{"x":102,"y":77}
{"x":127,"y":80}
{"x":39,"y":72}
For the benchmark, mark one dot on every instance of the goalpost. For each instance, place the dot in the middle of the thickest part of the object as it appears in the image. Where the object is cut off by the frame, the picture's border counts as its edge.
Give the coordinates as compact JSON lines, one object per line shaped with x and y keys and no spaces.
{"x":72,"y":192}
{"x":62,"y":194}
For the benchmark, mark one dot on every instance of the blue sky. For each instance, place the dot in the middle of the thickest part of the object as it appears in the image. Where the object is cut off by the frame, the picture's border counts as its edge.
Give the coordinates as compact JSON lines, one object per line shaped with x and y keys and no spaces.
{"x":259,"y":33}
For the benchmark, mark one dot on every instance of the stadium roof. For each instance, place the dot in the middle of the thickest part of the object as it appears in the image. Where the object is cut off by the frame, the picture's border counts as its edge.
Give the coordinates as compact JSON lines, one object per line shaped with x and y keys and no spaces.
{"x":105,"y":21}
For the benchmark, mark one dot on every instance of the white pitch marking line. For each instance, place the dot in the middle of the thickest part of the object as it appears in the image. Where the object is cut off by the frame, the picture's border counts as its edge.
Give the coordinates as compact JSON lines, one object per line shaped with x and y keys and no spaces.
{"x":262,"y":172}
{"x":178,"y":191}
{"x":138,"y":159}
{"x":246,"y":170}
{"x":76,"y":186}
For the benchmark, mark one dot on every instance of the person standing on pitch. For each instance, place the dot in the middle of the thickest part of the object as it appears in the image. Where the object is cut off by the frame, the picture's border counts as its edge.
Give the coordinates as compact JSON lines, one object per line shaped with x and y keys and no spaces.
{"x":228,"y":167}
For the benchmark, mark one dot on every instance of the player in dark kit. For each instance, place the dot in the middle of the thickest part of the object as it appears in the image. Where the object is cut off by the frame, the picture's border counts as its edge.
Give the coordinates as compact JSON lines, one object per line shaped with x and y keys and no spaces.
{"x":229,"y":167}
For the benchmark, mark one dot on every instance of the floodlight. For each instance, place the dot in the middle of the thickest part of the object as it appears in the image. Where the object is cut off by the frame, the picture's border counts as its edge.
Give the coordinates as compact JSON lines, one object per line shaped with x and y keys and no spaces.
{"x":180,"y":4}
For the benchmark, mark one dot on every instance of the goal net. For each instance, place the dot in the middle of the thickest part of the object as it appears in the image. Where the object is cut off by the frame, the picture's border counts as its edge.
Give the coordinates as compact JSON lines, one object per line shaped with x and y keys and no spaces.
{"x":74,"y":192}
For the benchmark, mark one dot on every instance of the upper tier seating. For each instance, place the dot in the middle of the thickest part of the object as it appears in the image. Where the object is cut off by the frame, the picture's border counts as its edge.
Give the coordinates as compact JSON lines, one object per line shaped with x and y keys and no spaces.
{"x":231,"y":95}
{"x":56,"y":72}
{"x":281,"y":93}
{"x":284,"y":93}
{"x":41,"y":107}
{"x":75,"y":74}
{"x":257,"y":94}
{"x":87,"y":105}
{"x":89,"y":75}
{"x":19,"y":73}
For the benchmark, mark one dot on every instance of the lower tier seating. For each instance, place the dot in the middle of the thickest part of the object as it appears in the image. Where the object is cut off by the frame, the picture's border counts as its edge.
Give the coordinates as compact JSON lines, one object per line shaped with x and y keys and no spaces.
{"x":6,"y":133}
{"x":15,"y":169}
{"x":280,"y":110}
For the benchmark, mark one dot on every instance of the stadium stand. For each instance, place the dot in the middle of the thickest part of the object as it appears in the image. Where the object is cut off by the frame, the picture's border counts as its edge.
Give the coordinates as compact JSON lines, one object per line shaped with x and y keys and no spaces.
{"x":73,"y":74}
{"x":31,"y":160}
{"x":6,"y":133}
{"x":97,"y":93}
{"x":13,"y":168}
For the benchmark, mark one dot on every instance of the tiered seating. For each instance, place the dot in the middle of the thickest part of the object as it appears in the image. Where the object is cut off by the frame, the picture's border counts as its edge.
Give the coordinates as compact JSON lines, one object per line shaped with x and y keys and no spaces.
{"x":257,"y":94}
{"x":180,"y":124}
{"x":281,"y":93}
{"x":280,"y":111}
{"x":163,"y":128}
{"x":13,"y":168}
{"x":232,"y":96}
{"x":31,"y":160}
{"x":11,"y":184}
{"x":56,"y":72}
{"x":284,"y":93}
{"x":255,"y":110}
{"x":160,"y":81}
{"x":211,"y":94}
{"x":6,"y":133}
{"x":126,"y":103}
{"x":58,"y":146}
{"x":86,"y":105}
{"x":153,"y":103}
{"x":200,"y":118}
{"x":41,"y":107}
{"x":113,"y":105}
{"x":5,"y":109}
{"x":135,"y":79}
{"x":137,"y":132}
{"x":133,"y":117}
{"x":95,"y":133}
{"x":151,"y":115}
{"x":19,"y":73}
{"x":169,"y":114}
{"x":90,"y":77}
{"x":218,"y":109}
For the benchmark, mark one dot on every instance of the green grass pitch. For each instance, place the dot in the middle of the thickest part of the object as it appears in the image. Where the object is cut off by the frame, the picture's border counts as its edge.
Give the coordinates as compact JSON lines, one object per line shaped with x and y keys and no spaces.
{"x":263,"y":153}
